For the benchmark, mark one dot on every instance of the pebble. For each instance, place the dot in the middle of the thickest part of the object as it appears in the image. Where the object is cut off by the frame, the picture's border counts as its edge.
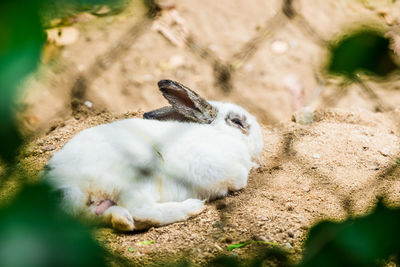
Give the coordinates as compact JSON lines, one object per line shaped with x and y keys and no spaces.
{"x":148,"y":77}
{"x":262,"y":238}
{"x":49,"y":148}
{"x":218,"y":224}
{"x":88,"y":104}
{"x":304,"y":116}
{"x":176,"y":61}
{"x":248,"y":67}
{"x":290,"y":234}
{"x":81,"y":67}
{"x":279,"y":47}
{"x":287,"y":245}
{"x":212,"y":47}
{"x":218,"y":247}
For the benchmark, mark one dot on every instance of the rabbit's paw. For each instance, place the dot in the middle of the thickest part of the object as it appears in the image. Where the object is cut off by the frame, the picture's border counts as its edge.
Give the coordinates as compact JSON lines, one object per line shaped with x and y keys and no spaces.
{"x":120,"y":218}
{"x":193,"y":206}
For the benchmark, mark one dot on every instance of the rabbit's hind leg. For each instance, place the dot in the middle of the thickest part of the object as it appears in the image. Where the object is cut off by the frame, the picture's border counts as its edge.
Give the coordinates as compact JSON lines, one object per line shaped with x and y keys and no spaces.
{"x":157,"y":214}
{"x":119,"y":218}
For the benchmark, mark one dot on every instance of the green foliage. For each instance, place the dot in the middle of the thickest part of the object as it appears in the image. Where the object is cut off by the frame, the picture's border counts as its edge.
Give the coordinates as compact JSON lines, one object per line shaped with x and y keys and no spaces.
{"x":64,"y":9}
{"x":35,"y":232}
{"x":364,"y":241}
{"x":21,"y":40}
{"x":145,"y":242}
{"x":243,"y":244}
{"x":33,"y":229}
{"x":265,"y":256}
{"x":366,"y":50}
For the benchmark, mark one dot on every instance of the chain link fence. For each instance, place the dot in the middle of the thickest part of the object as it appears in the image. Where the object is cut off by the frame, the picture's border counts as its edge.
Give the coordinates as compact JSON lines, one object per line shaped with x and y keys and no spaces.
{"x":224,"y":71}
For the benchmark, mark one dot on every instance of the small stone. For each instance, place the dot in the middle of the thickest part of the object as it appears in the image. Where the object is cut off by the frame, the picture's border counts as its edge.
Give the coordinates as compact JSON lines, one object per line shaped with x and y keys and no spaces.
{"x":148,"y":77}
{"x":176,"y":61}
{"x":218,"y":247}
{"x":316,"y":156}
{"x":304,"y":116}
{"x":262,"y":238}
{"x":279,"y":47}
{"x":218,"y":224}
{"x":88,"y":104}
{"x":248,"y":67}
{"x":49,"y":148}
{"x":287,"y":245}
{"x":290,"y":234}
{"x":212,"y":47}
{"x":81,"y":67}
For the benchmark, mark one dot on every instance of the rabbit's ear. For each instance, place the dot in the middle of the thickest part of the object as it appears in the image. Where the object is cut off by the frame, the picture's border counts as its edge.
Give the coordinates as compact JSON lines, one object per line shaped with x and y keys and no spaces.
{"x":164,"y":114}
{"x":187,"y":103}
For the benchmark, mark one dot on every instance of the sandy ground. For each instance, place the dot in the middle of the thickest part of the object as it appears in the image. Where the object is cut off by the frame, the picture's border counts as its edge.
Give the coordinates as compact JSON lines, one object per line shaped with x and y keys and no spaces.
{"x":332,"y":168}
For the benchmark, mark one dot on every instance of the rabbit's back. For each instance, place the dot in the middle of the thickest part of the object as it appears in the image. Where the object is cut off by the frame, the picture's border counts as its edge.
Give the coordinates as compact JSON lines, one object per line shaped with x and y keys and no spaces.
{"x":106,"y":158}
{"x":123,"y":155}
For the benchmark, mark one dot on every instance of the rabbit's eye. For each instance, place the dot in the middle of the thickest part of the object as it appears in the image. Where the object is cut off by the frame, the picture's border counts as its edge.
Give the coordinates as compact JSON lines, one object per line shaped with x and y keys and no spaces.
{"x":237,"y":122}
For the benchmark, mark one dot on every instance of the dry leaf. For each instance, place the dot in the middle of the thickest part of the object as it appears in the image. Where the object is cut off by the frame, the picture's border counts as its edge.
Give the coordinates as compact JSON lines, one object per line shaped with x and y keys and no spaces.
{"x":62,"y":36}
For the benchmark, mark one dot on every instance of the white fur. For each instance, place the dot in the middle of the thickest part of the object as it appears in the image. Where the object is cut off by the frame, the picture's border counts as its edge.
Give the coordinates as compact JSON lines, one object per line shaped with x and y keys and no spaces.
{"x":120,"y":161}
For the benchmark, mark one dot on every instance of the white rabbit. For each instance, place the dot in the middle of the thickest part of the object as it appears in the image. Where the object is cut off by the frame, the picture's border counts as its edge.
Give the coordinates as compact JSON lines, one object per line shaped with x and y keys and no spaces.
{"x":137,"y":173}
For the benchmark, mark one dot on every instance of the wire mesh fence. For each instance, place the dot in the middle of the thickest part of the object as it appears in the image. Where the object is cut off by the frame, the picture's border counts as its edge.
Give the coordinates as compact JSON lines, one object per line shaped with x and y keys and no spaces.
{"x":224,"y":71}
{"x":225,"y":74}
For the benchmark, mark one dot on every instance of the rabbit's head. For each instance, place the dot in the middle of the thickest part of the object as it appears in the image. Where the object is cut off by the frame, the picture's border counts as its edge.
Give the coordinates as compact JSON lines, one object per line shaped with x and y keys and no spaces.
{"x":188,"y":106}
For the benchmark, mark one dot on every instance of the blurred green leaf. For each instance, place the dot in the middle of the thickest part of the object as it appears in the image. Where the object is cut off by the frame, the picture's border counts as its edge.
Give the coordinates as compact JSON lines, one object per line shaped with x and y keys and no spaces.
{"x":35,"y":232}
{"x":146,"y":242}
{"x":366,"y":50}
{"x":21,"y":39}
{"x":239,"y":245}
{"x":130,"y":249}
{"x":356,"y":242}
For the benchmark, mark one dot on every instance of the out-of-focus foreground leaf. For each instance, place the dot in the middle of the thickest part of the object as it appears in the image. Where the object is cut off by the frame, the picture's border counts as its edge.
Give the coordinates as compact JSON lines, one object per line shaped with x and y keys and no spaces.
{"x":21,"y":39}
{"x":366,"y":50}
{"x":35,"y":232}
{"x":357,"y":242}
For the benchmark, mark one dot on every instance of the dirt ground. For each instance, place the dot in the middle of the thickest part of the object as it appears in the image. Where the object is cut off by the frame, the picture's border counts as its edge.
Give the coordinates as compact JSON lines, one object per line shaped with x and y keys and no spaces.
{"x":334,"y":167}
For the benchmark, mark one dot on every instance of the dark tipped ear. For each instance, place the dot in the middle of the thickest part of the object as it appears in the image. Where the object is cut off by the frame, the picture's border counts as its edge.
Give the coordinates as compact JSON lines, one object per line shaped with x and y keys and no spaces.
{"x":164,"y":114}
{"x":187,"y":102}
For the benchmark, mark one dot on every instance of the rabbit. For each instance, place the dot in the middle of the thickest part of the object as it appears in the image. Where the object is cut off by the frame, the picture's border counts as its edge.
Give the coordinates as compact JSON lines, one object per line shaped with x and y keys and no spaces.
{"x":137,"y":173}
